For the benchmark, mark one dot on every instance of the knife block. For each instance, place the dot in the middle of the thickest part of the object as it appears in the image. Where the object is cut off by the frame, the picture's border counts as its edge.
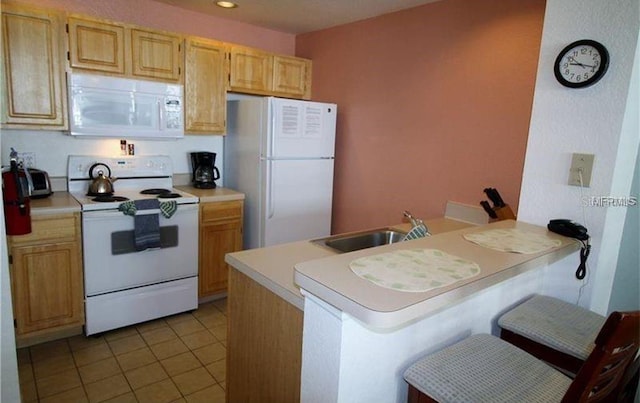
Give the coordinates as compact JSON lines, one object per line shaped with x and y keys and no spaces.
{"x":503,"y":213}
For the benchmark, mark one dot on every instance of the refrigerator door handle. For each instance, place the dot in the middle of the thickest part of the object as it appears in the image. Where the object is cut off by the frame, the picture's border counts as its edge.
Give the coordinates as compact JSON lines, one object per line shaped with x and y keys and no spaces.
{"x":270,"y":200}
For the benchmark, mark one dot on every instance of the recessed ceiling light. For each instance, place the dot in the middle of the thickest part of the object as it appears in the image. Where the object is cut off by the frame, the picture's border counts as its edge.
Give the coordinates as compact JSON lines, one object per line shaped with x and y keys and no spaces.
{"x":226,"y":4}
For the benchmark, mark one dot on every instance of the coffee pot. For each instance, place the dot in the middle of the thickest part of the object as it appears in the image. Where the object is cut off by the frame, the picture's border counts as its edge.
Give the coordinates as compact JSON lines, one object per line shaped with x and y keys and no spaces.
{"x":205,"y":172}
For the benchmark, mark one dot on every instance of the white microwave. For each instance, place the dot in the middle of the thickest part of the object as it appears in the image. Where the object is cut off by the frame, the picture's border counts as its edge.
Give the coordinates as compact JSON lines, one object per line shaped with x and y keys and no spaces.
{"x":123,"y":108}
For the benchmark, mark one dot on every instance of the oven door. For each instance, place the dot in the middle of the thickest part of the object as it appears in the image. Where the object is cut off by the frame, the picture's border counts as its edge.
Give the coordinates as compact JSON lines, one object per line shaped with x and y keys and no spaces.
{"x":112,"y":264}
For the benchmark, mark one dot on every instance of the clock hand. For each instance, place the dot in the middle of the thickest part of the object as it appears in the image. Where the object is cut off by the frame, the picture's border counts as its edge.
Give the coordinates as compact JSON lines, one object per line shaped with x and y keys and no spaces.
{"x":584,"y":66}
{"x":577,"y":63}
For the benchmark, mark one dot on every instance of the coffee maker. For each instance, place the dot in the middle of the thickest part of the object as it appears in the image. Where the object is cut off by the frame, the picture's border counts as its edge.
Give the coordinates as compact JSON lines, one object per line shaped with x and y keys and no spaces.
{"x":204,"y":170}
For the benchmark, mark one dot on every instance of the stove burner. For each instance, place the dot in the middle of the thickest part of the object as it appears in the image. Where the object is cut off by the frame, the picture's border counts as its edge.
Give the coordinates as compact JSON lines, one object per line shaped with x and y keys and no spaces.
{"x":169,"y":195}
{"x":109,"y":198}
{"x":154,"y":191}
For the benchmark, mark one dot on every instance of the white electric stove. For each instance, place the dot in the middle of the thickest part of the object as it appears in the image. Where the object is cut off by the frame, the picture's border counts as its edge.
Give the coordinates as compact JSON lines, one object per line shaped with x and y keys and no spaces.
{"x":123,"y":284}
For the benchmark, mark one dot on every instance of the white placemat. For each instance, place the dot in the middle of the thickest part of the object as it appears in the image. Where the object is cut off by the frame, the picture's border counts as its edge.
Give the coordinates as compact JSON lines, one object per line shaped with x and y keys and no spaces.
{"x":513,"y":240}
{"x":414,"y":270}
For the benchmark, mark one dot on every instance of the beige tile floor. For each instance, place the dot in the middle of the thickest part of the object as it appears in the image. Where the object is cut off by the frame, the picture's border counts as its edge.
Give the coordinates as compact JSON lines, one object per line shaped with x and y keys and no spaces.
{"x":179,"y":358}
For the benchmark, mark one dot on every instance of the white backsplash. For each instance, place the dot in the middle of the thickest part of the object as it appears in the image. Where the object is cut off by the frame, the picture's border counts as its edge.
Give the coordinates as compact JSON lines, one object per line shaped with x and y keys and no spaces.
{"x":52,"y":148}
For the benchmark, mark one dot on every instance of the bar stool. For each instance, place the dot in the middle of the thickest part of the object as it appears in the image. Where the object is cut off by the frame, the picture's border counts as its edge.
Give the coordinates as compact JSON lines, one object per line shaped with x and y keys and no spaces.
{"x":561,"y":334}
{"x":484,"y":368}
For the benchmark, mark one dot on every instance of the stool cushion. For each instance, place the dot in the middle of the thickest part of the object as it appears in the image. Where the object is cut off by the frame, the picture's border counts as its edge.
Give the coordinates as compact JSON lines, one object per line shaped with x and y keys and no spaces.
{"x":554,"y":323}
{"x":483,"y":368}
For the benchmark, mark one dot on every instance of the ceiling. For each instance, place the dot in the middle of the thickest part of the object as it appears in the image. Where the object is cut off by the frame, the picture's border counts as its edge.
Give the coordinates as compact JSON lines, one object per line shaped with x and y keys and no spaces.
{"x":298,"y":16}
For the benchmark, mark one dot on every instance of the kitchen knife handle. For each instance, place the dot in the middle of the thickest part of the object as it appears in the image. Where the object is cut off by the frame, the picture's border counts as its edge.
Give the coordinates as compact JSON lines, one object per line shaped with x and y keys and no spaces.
{"x":498,"y":198}
{"x":485,"y":205}
{"x":494,"y":196}
{"x":489,"y":193}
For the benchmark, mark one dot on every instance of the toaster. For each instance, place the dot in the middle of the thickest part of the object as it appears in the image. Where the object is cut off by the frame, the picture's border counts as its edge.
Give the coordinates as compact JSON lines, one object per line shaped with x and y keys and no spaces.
{"x":36,"y":182}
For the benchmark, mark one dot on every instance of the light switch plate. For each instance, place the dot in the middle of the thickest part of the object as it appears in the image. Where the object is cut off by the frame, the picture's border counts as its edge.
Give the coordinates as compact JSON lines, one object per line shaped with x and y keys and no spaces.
{"x":581,"y":164}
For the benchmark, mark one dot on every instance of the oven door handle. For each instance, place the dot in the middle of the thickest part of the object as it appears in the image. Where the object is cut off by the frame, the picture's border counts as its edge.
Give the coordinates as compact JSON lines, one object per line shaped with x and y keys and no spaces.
{"x":182,"y":208}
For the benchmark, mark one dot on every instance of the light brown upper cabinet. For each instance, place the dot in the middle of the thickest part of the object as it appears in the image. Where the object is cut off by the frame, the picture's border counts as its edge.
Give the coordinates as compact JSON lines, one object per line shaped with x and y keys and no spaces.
{"x":96,"y":45}
{"x":257,"y":72}
{"x":155,"y":55}
{"x":205,"y":78}
{"x":33,"y":94}
{"x":114,"y":48}
{"x":292,"y":77}
{"x":251,"y":70}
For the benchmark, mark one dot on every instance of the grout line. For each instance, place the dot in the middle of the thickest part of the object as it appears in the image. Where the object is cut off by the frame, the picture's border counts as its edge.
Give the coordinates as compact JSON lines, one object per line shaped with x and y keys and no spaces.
{"x":148,"y":346}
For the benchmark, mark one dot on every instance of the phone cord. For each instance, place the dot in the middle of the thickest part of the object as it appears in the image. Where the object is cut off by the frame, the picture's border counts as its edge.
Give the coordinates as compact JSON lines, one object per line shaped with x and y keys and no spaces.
{"x":582,"y":268}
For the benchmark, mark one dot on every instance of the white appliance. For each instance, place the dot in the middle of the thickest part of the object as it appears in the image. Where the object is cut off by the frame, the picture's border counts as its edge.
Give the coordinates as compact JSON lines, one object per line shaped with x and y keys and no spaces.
{"x":280,"y":154}
{"x":124,"y":108}
{"x":123,"y":286}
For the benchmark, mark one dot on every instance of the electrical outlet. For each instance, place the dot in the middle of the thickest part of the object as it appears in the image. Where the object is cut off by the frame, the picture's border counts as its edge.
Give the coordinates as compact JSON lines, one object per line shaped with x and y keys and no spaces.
{"x":580,"y":171}
{"x":28,"y":159}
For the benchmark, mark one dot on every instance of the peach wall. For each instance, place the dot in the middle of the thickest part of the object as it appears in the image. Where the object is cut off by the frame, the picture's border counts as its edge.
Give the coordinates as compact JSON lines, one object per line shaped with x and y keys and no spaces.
{"x":433,"y":102}
{"x":166,"y":17}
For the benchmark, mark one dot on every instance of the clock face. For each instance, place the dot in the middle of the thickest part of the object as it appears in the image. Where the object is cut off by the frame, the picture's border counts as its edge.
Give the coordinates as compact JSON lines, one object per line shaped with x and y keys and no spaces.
{"x":581,"y":64}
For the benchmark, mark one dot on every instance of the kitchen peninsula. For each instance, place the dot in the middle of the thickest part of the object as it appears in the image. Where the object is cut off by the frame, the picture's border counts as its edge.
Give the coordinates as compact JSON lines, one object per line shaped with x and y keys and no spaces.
{"x":356,"y":337}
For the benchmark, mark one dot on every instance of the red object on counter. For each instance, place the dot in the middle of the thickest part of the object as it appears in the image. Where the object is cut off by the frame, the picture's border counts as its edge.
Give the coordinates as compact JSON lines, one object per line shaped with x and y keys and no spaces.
{"x":17,"y":208}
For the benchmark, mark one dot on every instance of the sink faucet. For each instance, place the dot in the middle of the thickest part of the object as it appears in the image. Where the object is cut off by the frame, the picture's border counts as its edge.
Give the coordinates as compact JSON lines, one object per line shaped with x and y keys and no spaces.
{"x":414,"y":221}
{"x":418,"y":228}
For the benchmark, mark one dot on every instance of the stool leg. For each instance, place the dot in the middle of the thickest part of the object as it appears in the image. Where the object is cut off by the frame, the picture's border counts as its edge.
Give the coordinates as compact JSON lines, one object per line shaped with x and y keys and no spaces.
{"x":415,"y":396}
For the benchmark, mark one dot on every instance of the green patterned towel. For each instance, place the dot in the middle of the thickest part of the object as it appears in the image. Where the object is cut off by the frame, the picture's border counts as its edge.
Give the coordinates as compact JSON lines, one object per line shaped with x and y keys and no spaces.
{"x":167,"y":208}
{"x":414,"y":270}
{"x":419,"y":231}
{"x":128,"y":207}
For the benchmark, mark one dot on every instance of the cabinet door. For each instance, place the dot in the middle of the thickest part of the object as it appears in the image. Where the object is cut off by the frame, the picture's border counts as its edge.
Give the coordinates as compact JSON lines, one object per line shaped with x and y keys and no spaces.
{"x":250,"y":70}
{"x":204,"y":86}
{"x":33,"y":95}
{"x":220,"y":233}
{"x":292,"y":77}
{"x":155,"y":55}
{"x":96,"y":45}
{"x":47,"y":282}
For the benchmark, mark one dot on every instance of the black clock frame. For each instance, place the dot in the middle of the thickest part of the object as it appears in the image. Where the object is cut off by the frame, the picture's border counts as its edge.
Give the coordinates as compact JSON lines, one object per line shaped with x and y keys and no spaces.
{"x":604,"y":64}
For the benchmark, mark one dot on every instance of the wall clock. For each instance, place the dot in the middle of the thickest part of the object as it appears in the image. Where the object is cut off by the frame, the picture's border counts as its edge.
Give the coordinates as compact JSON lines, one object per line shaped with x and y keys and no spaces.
{"x":581,"y":64}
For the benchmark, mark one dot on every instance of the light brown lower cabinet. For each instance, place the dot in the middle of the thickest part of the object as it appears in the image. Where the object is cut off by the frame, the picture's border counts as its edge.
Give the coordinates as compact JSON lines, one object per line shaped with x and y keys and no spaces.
{"x":220,"y":233}
{"x":264,"y":344}
{"x":46,"y":279}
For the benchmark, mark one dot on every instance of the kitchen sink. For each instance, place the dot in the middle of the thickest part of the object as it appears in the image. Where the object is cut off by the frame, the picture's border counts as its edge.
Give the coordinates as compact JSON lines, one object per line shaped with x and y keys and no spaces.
{"x":361,"y":240}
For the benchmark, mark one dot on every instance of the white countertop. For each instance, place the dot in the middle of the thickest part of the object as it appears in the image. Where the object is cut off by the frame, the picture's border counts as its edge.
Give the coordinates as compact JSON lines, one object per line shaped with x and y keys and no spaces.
{"x":332,"y":280}
{"x":273,"y":267}
{"x":219,"y":194}
{"x":58,"y":203}
{"x":62,"y":202}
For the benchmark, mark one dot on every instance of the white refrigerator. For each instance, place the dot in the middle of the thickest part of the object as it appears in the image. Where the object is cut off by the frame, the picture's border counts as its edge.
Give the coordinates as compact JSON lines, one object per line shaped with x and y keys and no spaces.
{"x":280,"y":154}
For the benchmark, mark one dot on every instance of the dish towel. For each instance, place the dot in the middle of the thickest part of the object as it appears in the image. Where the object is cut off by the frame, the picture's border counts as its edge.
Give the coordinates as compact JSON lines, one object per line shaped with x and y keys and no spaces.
{"x":418,"y":231}
{"x":146,"y":232}
{"x":167,"y":208}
